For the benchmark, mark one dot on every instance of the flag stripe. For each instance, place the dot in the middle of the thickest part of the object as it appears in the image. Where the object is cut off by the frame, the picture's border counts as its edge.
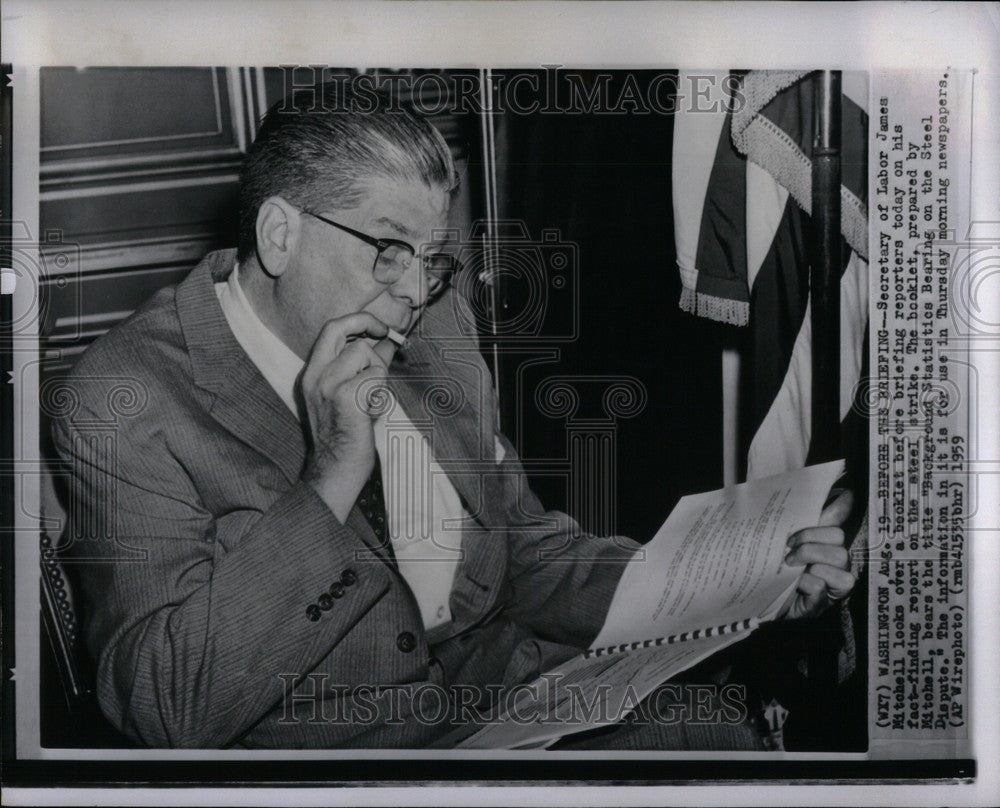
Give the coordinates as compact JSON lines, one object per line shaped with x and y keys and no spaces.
{"x":695,"y":137}
{"x":781,"y":442}
{"x":777,"y":302}
{"x":765,"y":208}
{"x":709,"y":189}
{"x":722,"y":253}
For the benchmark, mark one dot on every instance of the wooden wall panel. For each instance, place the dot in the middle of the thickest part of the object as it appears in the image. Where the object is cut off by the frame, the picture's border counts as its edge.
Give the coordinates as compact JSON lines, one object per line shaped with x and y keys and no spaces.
{"x":144,"y":214}
{"x":139,"y":176}
{"x":122,"y":114}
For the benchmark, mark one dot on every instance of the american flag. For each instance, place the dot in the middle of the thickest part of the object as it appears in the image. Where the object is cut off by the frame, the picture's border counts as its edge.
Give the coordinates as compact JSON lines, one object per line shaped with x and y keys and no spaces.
{"x":742,"y":195}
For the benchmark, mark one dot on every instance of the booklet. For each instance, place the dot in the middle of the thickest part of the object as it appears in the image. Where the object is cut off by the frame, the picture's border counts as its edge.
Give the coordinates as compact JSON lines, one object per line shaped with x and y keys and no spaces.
{"x":713,"y":572}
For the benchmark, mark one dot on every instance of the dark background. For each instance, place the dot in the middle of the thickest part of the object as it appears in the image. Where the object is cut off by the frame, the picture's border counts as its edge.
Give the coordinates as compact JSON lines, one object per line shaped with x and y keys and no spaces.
{"x":139,"y":179}
{"x":604,"y":181}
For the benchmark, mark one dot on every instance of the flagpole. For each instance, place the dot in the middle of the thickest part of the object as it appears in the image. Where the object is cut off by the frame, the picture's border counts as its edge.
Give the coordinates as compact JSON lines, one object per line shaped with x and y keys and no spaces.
{"x":824,"y":296}
{"x":824,"y":277}
{"x":489,"y":236}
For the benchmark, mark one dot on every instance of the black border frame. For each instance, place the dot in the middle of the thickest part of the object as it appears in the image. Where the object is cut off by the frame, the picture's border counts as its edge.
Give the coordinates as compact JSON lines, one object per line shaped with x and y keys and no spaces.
{"x":356,"y":772}
{"x":7,"y":610}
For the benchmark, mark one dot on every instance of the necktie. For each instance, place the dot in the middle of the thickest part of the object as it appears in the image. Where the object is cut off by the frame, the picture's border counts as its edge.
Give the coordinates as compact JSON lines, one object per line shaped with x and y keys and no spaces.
{"x":371,"y":500}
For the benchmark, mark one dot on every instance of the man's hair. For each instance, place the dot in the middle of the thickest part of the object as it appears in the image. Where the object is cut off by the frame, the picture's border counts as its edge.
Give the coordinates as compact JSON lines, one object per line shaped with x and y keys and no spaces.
{"x":318,"y":145}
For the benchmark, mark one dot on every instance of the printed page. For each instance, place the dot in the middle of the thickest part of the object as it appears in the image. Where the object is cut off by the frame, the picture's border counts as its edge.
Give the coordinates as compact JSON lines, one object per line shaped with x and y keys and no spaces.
{"x":586,"y":693}
{"x":718,"y":558}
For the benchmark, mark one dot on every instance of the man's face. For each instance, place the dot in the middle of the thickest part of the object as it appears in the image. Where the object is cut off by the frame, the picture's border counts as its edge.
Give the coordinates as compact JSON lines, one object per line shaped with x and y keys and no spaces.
{"x":333,"y":275}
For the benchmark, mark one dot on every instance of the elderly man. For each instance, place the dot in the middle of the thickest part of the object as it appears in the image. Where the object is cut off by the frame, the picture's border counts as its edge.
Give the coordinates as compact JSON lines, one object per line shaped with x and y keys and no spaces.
{"x":305,"y":538}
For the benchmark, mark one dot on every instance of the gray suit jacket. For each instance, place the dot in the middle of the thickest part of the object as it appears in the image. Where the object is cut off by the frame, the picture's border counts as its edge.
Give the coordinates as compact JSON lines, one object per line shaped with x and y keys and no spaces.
{"x":203,"y":547}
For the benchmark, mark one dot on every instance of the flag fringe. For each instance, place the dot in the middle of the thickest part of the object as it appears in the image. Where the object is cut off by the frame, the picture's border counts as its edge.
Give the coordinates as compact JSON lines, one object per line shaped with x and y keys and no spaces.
{"x":853,"y":221}
{"x":766,"y":144}
{"x":720,"y":309}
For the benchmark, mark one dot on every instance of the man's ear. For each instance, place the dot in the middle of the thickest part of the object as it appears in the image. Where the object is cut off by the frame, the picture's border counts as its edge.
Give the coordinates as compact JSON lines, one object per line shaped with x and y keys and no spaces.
{"x":278,"y":227}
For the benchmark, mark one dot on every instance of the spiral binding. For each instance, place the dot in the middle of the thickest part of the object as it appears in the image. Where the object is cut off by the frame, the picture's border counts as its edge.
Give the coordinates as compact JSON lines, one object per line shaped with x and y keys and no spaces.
{"x":729,"y":628}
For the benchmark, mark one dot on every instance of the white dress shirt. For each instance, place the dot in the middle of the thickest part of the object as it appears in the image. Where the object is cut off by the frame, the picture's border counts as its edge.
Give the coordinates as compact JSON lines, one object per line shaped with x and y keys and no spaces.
{"x":423,"y":508}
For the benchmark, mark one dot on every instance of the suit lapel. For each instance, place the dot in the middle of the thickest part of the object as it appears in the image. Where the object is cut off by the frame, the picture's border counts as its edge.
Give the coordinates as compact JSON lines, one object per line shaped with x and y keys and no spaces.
{"x":250,"y":409}
{"x":244,"y":403}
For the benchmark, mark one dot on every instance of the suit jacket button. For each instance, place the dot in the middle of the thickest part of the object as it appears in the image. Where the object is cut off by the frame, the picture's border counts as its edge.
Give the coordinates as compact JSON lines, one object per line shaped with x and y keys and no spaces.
{"x":348,"y":577}
{"x":325,"y":602}
{"x":406,"y":642}
{"x":337,"y":589}
{"x":313,"y":612}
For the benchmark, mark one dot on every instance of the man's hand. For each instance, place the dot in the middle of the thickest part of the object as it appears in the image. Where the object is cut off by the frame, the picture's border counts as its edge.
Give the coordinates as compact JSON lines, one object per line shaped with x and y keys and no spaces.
{"x":335,"y":382}
{"x":821,"y":550}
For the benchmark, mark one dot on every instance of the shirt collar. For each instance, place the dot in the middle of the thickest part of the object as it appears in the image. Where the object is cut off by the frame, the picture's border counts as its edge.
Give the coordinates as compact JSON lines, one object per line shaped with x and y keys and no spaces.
{"x":278,"y":363}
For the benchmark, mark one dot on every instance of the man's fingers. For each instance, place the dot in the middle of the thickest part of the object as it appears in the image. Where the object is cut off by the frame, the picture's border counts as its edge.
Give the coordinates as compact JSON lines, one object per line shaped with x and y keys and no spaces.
{"x":834,"y":555}
{"x":818,"y":587}
{"x":837,"y":511}
{"x":359,"y":324}
{"x":336,"y":333}
{"x":837,"y":582}
{"x":816,"y":535}
{"x":813,"y":593}
{"x":356,"y":357}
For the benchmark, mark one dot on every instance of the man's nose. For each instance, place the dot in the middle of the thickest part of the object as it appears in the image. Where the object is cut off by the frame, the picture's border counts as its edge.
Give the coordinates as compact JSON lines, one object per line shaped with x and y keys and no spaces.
{"x":411,"y":286}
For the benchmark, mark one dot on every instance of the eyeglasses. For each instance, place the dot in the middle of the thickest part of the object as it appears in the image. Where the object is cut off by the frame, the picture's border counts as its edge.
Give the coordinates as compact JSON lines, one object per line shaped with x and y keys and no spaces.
{"x":393,"y":258}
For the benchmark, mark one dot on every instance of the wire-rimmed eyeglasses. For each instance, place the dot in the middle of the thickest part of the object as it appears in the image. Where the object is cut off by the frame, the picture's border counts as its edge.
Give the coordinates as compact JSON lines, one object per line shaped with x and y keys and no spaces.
{"x":393,"y":258}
